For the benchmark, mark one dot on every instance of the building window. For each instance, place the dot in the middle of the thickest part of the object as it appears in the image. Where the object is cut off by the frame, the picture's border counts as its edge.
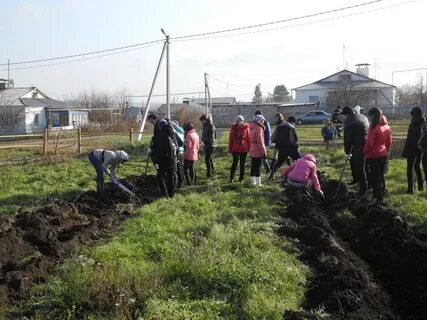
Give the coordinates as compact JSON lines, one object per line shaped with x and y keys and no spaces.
{"x":313,"y":99}
{"x":37,"y":119}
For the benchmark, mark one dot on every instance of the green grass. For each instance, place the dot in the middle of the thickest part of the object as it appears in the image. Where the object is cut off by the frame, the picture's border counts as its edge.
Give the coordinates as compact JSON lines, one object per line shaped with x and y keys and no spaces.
{"x":206,"y":254}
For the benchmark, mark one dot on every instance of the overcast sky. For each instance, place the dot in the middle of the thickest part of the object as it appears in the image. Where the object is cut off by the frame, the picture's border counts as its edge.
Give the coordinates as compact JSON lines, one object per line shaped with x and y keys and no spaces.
{"x":292,"y":54}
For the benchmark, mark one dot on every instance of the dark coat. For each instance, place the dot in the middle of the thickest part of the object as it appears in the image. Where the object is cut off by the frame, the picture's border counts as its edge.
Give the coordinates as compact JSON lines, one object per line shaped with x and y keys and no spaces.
{"x":414,"y":134}
{"x":355,"y":132}
{"x":208,"y":133}
{"x":160,"y":146}
{"x":285,"y":135}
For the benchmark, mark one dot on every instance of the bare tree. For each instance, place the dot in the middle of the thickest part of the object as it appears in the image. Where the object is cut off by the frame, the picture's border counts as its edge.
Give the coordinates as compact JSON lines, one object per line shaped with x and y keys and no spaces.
{"x":11,"y":116}
{"x":350,"y":93}
{"x":120,"y":98}
{"x":413,"y":94}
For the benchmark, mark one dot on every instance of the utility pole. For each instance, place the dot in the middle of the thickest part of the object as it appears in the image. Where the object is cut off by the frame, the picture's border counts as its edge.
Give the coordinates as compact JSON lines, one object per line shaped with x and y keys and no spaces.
{"x":147,"y":107}
{"x":167,"y":75}
{"x":206,"y":93}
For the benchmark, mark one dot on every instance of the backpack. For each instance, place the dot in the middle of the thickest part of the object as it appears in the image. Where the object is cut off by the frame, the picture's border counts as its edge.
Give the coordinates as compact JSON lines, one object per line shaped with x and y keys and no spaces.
{"x":328,"y":133}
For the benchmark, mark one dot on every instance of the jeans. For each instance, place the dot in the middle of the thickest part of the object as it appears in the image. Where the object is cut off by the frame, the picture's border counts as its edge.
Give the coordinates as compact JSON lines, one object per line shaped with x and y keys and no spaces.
{"x":180,"y":170}
{"x":376,"y":168}
{"x":413,"y":163}
{"x":236,"y":157}
{"x":357,"y":164}
{"x":189,"y":172}
{"x":208,"y":159}
{"x":99,"y":171}
{"x":256,"y":167}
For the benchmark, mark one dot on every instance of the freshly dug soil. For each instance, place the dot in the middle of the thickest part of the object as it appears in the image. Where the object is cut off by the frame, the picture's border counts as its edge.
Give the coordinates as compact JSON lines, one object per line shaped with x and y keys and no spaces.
{"x":31,"y":243}
{"x":367,"y":262}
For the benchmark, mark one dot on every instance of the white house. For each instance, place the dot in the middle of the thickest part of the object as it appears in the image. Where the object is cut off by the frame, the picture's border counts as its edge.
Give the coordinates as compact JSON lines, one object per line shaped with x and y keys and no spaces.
{"x":28,"y":110}
{"x":349,"y":88}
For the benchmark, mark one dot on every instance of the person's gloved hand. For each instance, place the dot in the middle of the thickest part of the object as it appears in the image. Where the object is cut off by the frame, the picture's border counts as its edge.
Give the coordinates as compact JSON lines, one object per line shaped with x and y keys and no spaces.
{"x":108,"y":172}
{"x":149,"y":151}
{"x":321,"y":194}
{"x":348,"y":156}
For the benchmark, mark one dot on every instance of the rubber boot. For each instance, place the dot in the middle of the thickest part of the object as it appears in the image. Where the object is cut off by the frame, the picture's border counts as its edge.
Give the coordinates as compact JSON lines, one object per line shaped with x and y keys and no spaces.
{"x":253,"y":181}
{"x":258,"y":181}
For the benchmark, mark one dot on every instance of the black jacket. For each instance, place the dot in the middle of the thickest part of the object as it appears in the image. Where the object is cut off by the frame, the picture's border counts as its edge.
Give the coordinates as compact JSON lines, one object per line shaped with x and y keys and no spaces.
{"x":423,"y":141}
{"x":355,"y":132}
{"x":208,"y":133}
{"x":285,"y":135}
{"x":161,"y":146}
{"x":414,"y":134}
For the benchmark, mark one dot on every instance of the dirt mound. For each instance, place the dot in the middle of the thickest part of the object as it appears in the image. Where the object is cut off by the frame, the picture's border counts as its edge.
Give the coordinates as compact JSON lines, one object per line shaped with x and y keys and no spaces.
{"x":31,"y":243}
{"x":368,"y":262}
{"x":342,"y":284}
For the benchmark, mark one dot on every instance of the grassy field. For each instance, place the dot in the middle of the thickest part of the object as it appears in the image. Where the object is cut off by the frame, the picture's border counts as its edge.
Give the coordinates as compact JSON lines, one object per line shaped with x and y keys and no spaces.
{"x":210,"y":253}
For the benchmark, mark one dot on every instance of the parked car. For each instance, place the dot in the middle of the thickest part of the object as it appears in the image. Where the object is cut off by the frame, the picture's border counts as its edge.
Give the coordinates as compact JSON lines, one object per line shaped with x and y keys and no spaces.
{"x":315,"y":116}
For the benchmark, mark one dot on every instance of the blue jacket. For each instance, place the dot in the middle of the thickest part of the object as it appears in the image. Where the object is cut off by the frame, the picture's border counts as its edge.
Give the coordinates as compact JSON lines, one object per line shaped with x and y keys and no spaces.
{"x":180,"y":132}
{"x":267,"y":134}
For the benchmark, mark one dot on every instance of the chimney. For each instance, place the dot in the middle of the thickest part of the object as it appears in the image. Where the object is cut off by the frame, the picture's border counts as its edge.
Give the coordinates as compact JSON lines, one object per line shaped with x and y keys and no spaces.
{"x":363,"y":69}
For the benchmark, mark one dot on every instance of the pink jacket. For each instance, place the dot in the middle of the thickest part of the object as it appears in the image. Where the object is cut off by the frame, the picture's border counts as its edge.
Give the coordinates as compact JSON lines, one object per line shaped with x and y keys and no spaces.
{"x":379,"y":140}
{"x":257,"y":149}
{"x":303,"y":170}
{"x":191,"y":151}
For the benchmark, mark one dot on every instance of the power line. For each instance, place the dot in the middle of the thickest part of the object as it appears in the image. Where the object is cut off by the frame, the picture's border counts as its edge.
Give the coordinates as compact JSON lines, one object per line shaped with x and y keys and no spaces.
{"x":278,"y":21}
{"x":297,"y":25}
{"x":198,"y":35}
{"x":163,"y":95}
{"x":229,"y":83}
{"x":84,"y":54}
{"x":82,"y":59}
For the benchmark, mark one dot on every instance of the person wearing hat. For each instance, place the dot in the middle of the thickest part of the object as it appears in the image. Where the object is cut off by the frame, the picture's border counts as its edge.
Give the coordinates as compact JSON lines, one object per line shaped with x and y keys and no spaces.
{"x":412,"y":151}
{"x":267,"y":141}
{"x":238,"y":146}
{"x":164,"y":147}
{"x":106,"y":162}
{"x":208,"y":139}
{"x":257,"y":150}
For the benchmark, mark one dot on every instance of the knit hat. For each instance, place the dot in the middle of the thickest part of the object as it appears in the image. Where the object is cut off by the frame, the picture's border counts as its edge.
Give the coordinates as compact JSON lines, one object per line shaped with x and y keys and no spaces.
{"x":240,"y":118}
{"x":357,"y":109}
{"x":162,"y":123}
{"x":259,"y":118}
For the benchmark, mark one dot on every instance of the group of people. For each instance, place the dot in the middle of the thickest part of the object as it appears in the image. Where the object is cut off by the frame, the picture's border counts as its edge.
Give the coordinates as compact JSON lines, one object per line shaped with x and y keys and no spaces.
{"x":174,"y":150}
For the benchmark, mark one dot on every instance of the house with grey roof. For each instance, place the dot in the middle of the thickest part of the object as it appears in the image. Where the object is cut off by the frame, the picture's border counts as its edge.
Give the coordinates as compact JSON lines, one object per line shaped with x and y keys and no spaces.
{"x":28,"y":110}
{"x":349,"y":88}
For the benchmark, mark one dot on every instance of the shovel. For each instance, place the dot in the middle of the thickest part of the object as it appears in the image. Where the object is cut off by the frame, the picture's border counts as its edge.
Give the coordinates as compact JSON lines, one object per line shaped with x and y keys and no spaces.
{"x":342,"y":173}
{"x":122,"y":187}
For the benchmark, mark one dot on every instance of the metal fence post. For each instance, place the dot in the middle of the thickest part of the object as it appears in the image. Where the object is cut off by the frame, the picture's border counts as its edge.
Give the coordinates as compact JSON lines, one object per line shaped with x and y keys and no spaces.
{"x":45,"y":135}
{"x":131,"y":136}
{"x":79,"y":140}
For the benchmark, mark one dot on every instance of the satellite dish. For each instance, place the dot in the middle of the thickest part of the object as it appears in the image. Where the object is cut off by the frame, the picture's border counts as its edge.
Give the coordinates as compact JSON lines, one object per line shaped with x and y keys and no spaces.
{"x":11,"y":83}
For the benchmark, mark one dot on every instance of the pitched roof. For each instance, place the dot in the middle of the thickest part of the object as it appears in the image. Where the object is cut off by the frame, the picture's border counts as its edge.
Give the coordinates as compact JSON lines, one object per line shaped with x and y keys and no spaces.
{"x":48,"y":103}
{"x":133,"y":112}
{"x":11,"y":97}
{"x":363,"y":84}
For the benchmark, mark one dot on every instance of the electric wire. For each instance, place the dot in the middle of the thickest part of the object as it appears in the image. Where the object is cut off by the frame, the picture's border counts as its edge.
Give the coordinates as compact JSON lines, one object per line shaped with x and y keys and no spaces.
{"x":195,"y":36}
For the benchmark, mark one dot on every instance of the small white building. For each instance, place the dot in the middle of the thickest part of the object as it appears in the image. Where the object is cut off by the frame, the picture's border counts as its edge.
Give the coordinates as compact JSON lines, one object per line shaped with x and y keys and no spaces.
{"x":28,"y":110}
{"x":349,"y":88}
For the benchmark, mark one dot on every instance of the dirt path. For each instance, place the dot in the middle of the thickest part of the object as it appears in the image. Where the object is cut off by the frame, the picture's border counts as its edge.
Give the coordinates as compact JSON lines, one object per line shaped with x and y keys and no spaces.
{"x":32,"y":243}
{"x":367,"y":263}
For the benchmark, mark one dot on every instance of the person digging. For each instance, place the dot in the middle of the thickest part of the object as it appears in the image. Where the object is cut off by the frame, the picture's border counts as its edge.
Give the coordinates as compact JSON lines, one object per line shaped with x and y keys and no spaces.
{"x":302,"y":174}
{"x":106,"y":162}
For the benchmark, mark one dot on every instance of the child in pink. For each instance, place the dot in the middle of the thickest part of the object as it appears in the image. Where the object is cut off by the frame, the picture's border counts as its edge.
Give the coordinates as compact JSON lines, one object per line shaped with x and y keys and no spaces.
{"x":191,"y":152}
{"x":303,"y":174}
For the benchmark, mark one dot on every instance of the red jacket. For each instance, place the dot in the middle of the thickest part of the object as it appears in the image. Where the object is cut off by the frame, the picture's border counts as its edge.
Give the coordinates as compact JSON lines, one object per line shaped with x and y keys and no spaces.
{"x":379,"y":140}
{"x":257,"y":149}
{"x":239,"y":140}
